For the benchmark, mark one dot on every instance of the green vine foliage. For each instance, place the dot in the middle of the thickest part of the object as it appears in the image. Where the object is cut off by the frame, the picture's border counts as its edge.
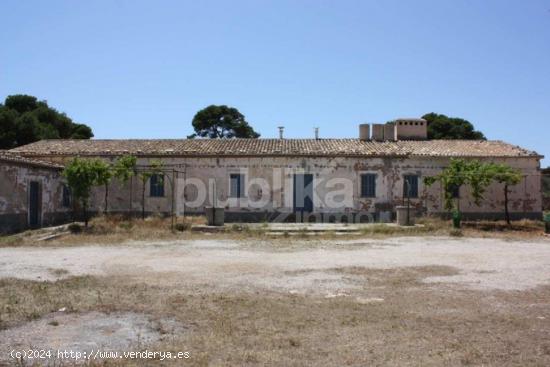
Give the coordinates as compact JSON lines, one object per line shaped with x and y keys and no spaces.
{"x":506,"y":175}
{"x":125,"y":168}
{"x":82,"y":175}
{"x":102,"y":171}
{"x":475,"y":174}
{"x":155,"y":168}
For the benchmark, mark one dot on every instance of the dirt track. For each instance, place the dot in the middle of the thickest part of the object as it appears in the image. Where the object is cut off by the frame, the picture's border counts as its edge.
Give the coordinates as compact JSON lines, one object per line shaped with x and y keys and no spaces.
{"x":286,"y":302}
{"x":307,"y":267}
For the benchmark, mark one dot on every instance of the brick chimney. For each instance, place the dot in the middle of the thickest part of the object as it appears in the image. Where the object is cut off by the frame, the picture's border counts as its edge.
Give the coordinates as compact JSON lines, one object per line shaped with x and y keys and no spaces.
{"x":411,"y":129}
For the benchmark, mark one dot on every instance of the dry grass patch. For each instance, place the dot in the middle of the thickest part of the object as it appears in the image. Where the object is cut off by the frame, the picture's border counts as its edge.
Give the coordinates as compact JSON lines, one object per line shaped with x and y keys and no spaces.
{"x":523,"y":226}
{"x":396,"y":277}
{"x":11,"y":240}
{"x":110,"y":229}
{"x":424,"y":227}
{"x":115,"y":229}
{"x":59,"y":272}
{"x":521,"y":229}
{"x":416,"y":324}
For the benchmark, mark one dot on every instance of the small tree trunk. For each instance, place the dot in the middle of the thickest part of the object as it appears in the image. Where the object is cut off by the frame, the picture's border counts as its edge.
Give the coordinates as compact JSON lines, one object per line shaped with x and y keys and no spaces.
{"x":506,"y":212}
{"x":85,"y":210}
{"x":131,"y":197}
{"x":143,"y":202}
{"x":74,"y":204}
{"x":106,"y":198}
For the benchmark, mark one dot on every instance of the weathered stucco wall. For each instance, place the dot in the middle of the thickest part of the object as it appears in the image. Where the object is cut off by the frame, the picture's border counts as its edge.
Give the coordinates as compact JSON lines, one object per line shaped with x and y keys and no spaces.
{"x":336,"y":186}
{"x":14,"y":196}
{"x":546,"y":189}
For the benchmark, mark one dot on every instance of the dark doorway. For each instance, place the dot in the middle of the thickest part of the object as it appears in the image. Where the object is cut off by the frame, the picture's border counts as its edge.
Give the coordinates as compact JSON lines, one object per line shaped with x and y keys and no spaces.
{"x":303,"y":193}
{"x":34,"y":204}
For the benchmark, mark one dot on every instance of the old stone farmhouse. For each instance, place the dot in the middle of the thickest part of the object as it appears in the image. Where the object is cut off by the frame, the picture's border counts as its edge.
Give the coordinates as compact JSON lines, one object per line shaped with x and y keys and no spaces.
{"x":32,"y":193}
{"x":255,"y":179}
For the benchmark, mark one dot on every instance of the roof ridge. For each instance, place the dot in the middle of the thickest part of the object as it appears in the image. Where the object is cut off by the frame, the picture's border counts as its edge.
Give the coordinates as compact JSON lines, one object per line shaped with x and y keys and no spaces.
{"x":263,"y":139}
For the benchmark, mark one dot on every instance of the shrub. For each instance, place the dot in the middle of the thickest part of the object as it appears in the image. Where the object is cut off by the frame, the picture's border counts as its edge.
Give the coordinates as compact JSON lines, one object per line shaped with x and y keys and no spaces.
{"x":126,"y":225}
{"x":455,"y":233}
{"x":236,"y":227}
{"x":75,"y":228}
{"x":182,"y":226}
{"x":101,"y":229}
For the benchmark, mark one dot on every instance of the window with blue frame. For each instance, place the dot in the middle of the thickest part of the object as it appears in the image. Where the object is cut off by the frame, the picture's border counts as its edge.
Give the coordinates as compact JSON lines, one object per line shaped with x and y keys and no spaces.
{"x":410,"y":186}
{"x":156,"y":185}
{"x":368,"y":185}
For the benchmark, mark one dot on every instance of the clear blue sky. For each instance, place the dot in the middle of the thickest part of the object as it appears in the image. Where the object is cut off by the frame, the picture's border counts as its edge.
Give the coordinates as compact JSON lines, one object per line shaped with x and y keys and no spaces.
{"x":141,"y":69}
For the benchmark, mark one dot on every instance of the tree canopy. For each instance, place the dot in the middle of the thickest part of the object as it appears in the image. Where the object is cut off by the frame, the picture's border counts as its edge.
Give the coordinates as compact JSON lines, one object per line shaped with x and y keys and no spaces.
{"x":546,"y":183}
{"x":221,"y":122}
{"x":460,"y":173}
{"x":82,"y":175}
{"x":507,"y":176}
{"x":24,"y":119}
{"x":478,"y":176}
{"x":444,"y":127}
{"x":125,"y":168}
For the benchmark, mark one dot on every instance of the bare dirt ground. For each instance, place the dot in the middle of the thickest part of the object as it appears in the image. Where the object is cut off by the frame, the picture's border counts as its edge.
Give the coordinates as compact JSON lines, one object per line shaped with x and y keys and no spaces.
{"x":302,"y":266}
{"x":92,"y":330}
{"x":292,"y":302}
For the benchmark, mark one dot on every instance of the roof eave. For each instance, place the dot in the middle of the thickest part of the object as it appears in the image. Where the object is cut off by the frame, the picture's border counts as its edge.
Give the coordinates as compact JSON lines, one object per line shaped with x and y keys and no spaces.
{"x":270,"y":155}
{"x":33,"y":164}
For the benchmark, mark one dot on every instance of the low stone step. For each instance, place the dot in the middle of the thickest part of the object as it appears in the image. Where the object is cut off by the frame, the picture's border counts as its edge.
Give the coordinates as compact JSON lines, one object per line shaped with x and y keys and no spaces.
{"x":313,"y":229}
{"x":314,"y":233}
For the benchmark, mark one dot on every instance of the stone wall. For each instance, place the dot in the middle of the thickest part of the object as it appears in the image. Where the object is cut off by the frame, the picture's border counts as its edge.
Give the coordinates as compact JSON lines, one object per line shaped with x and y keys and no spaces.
{"x":336,"y":187}
{"x":546,"y":189}
{"x":14,"y":196}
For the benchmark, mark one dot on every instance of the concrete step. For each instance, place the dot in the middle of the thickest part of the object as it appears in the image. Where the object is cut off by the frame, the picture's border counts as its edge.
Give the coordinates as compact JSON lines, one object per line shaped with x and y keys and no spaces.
{"x":315,"y":233}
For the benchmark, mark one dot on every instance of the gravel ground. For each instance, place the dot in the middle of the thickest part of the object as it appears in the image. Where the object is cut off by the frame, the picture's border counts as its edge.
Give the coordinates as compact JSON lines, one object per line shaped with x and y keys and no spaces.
{"x":86,"y":334}
{"x":293,"y":302}
{"x":484,"y":264}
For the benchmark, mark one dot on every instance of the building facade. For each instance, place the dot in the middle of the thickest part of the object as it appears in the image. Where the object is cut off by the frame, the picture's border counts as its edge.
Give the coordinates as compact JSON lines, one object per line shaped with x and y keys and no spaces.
{"x":32,"y":193}
{"x":324,"y":179}
{"x":546,"y":189}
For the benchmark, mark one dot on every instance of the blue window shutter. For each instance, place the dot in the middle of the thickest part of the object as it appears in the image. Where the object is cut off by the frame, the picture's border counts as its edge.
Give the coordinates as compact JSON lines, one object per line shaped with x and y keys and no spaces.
{"x":153,"y":185}
{"x":241,"y":186}
{"x":414,"y":187}
{"x":368,"y":185}
{"x":372,"y":182}
{"x":160,"y":185}
{"x":232,"y":186}
{"x":412,"y":181}
{"x":236,"y":187}
{"x":156,"y":186}
{"x":66,"y":196}
{"x":456,"y":191}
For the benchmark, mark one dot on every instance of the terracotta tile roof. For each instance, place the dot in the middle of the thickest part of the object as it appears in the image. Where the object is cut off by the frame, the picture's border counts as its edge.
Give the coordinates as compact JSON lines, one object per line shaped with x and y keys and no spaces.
{"x":275,"y":147}
{"x":8,"y":156}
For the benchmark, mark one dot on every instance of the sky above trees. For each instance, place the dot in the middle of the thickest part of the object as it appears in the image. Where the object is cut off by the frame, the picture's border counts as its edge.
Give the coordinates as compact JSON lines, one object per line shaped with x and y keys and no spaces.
{"x":143,"y":69}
